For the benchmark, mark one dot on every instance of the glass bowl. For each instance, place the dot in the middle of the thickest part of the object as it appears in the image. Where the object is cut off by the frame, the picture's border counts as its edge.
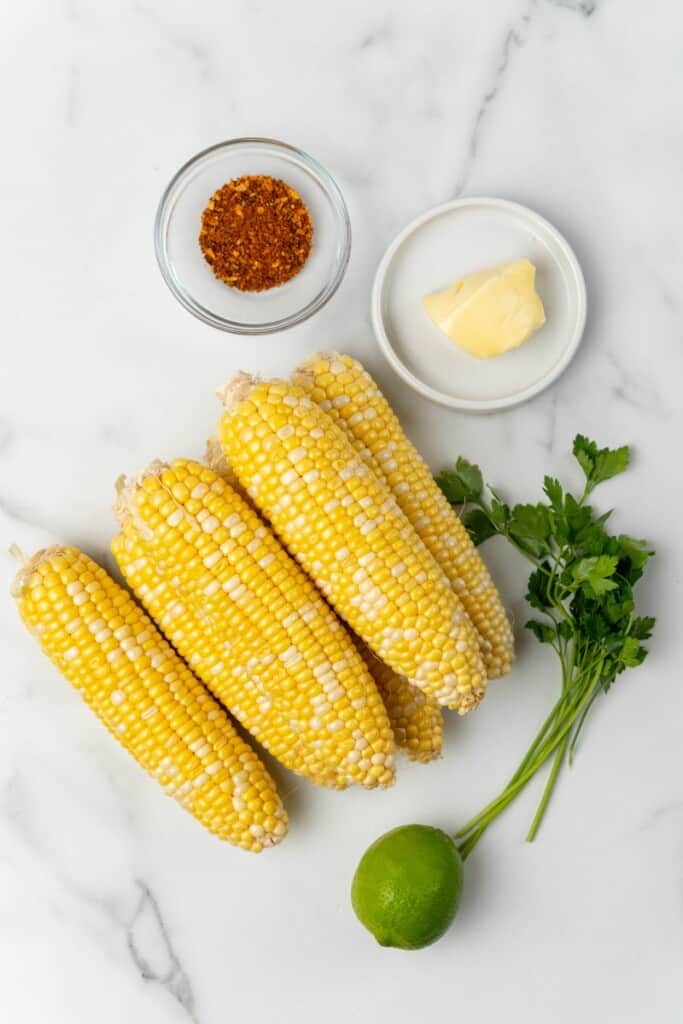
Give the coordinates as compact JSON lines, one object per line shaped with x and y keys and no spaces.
{"x":190,"y":278}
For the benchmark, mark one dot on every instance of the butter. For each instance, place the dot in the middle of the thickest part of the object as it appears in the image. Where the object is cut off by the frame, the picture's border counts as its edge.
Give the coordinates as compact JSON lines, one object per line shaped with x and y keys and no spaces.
{"x":491,"y":311}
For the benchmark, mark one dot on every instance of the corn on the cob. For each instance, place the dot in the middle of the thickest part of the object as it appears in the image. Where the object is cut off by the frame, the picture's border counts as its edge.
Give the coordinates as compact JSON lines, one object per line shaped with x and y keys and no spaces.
{"x":111,"y":652}
{"x":344,"y":526}
{"x":204,"y":649}
{"x":341,"y":386}
{"x":414,"y":717}
{"x":215,"y":459}
{"x":252,"y":625}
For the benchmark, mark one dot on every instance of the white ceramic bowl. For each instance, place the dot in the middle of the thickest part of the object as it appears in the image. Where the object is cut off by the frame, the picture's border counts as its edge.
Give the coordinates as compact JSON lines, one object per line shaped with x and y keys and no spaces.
{"x":458,"y":238}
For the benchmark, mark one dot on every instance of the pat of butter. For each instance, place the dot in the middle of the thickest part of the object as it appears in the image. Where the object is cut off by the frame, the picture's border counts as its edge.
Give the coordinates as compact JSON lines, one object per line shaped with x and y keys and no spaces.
{"x":489,"y":312}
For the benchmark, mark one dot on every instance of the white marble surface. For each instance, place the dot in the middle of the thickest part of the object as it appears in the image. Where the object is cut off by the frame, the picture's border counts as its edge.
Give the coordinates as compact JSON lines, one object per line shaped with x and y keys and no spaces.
{"x":114,"y":905}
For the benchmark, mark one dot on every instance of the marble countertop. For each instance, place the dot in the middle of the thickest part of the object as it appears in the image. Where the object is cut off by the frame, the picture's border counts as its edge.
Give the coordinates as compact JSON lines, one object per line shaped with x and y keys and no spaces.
{"x":114,"y":904}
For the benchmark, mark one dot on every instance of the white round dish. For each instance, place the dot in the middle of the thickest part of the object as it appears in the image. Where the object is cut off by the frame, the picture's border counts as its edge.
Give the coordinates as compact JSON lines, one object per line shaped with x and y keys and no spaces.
{"x":457,"y":238}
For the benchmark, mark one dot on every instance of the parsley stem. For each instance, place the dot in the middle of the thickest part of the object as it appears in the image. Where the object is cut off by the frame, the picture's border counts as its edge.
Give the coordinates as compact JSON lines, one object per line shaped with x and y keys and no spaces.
{"x":579,"y":727}
{"x":582,"y":584}
{"x":547,"y":792}
{"x":540,"y":736}
{"x":569,"y":680}
{"x":524,"y":771}
{"x":470,"y":833}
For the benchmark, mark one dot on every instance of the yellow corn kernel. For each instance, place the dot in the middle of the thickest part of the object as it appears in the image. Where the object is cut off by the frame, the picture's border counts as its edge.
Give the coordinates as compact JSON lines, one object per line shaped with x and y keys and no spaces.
{"x":342,"y":387}
{"x":111,"y":652}
{"x":416,"y":719}
{"x":252,"y":625}
{"x":216,"y":461}
{"x":343,"y":525}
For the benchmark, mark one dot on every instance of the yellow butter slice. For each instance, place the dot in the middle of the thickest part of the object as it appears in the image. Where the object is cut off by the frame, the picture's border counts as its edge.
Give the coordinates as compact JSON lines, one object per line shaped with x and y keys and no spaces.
{"x":491,"y":311}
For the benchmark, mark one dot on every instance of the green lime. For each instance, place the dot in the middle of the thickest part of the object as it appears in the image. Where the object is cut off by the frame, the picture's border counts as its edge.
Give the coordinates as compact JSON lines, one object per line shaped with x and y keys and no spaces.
{"x":406,"y":889}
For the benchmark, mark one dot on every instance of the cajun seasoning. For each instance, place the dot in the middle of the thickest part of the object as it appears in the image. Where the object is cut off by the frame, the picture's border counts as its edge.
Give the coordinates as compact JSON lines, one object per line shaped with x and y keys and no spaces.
{"x":256,"y":233}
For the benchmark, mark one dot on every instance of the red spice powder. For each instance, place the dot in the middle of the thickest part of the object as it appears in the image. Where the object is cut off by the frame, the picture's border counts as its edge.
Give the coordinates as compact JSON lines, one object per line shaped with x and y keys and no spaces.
{"x":256,"y":233}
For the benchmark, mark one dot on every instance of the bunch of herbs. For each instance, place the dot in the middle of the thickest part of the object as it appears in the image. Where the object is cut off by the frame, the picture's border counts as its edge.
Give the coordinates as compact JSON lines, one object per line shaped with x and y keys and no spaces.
{"x":581,"y":588}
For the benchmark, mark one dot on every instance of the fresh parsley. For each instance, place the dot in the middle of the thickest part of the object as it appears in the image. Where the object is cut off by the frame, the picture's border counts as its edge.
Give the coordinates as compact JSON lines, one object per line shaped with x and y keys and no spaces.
{"x":581,"y":586}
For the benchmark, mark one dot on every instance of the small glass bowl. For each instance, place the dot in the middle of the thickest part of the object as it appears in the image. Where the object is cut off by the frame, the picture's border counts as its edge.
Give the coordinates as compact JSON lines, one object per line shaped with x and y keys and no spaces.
{"x":190,"y":278}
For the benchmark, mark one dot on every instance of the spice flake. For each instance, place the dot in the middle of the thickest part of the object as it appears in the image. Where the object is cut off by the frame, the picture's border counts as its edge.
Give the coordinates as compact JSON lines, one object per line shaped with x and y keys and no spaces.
{"x":256,"y":233}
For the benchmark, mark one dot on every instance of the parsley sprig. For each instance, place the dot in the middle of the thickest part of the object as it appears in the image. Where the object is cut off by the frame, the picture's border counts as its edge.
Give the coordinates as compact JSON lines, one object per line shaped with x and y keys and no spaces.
{"x":581,"y":586}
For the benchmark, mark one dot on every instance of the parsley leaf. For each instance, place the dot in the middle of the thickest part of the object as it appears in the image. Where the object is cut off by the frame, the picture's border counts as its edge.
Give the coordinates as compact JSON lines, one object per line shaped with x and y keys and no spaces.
{"x":642,"y":628}
{"x":565,"y":630}
{"x":461,"y":484}
{"x":631,"y":653}
{"x":470,"y":474}
{"x":553,"y":489}
{"x":579,"y":517}
{"x":611,"y":462}
{"x":638,"y":552}
{"x":593,"y":574}
{"x":479,"y":526}
{"x":599,"y":464}
{"x":530,"y":522}
{"x":499,"y":514}
{"x":537,"y":590}
{"x":543,"y":633}
{"x":585,"y":453}
{"x":593,"y":539}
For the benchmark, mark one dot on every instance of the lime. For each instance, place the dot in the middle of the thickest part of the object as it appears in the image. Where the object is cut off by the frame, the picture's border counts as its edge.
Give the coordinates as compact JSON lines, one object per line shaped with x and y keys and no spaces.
{"x":406,"y":889}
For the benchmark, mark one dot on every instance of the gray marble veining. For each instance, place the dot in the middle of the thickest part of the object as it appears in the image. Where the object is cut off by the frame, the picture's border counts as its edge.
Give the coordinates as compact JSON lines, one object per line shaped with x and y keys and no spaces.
{"x":114,"y":905}
{"x":152,"y":952}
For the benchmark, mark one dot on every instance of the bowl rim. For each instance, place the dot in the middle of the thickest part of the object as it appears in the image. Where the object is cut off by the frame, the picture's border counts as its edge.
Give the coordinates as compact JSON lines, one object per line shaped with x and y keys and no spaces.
{"x":186,"y":299}
{"x":486,"y":405}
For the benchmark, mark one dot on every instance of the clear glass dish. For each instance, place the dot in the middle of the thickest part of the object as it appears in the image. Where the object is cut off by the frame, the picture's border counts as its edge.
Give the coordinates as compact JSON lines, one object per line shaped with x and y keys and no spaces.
{"x":178,"y":221}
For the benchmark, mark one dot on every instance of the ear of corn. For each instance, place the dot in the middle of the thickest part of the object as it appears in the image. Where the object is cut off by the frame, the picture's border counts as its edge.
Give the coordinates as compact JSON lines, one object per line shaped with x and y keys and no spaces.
{"x":206,"y":649}
{"x":343,"y":525}
{"x":415,"y":718}
{"x":343,"y":388}
{"x":110,"y":651}
{"x":252,"y":625}
{"x":215,"y":459}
